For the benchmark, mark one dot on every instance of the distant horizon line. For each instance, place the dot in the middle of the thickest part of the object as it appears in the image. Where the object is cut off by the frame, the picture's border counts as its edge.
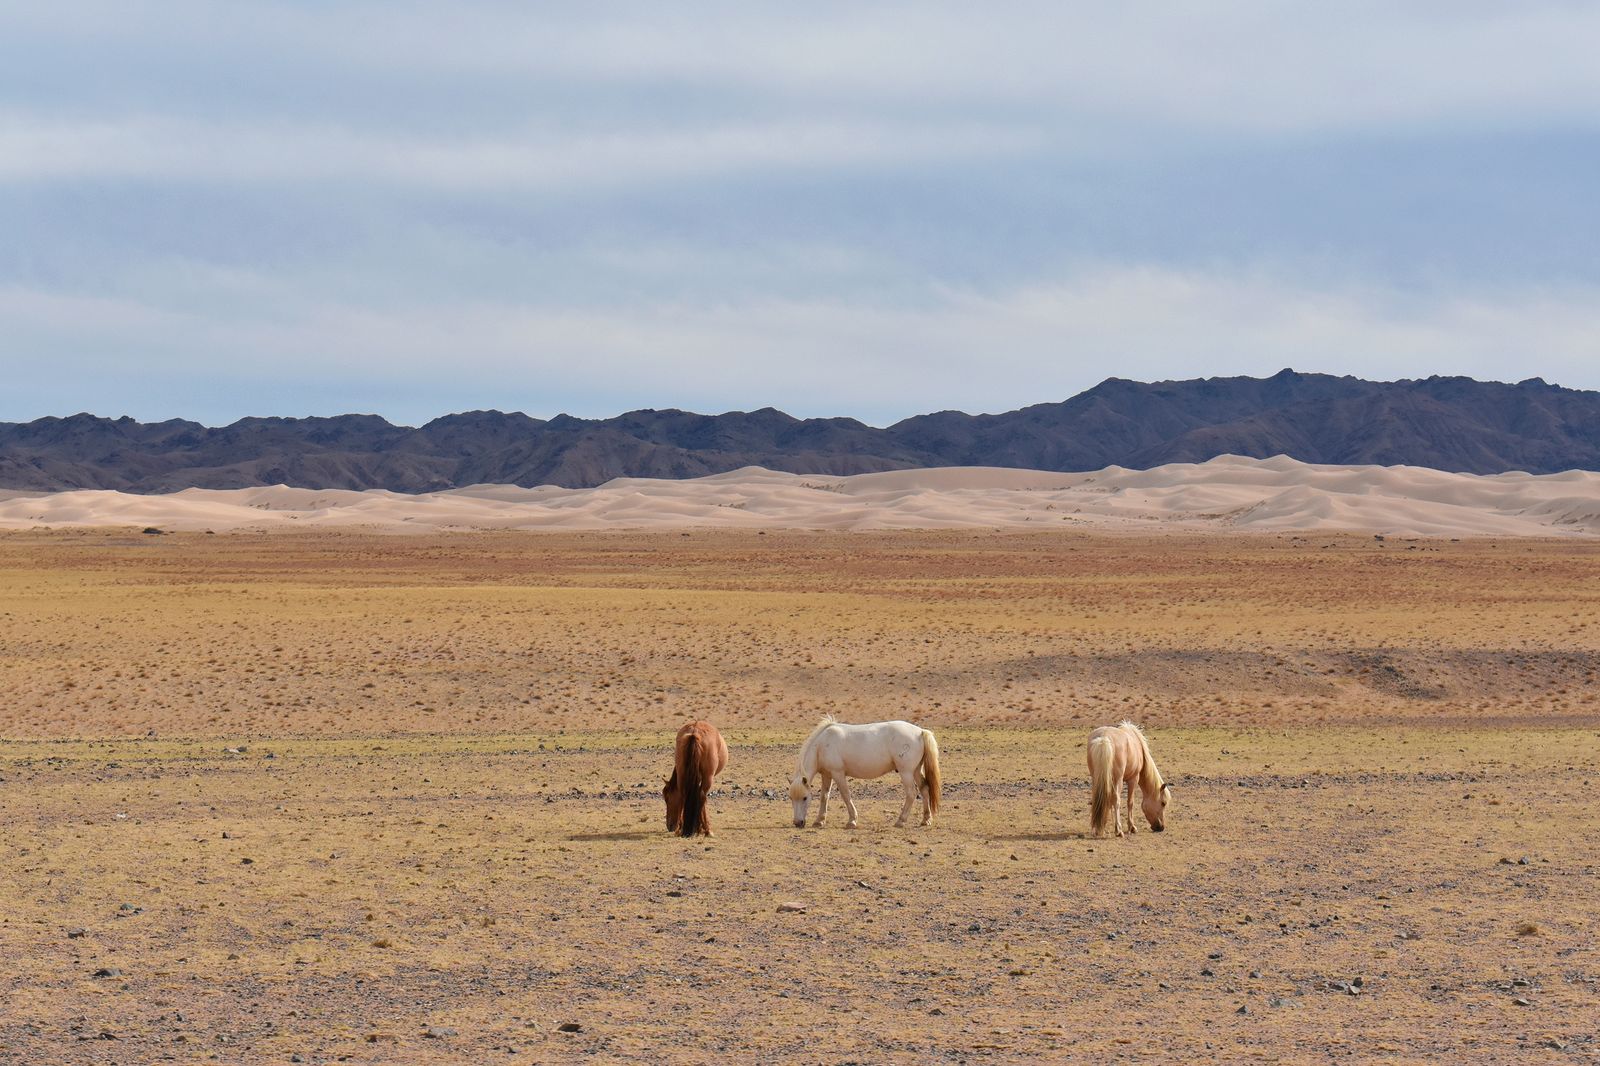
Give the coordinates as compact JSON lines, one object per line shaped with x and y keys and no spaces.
{"x":1533,"y":381}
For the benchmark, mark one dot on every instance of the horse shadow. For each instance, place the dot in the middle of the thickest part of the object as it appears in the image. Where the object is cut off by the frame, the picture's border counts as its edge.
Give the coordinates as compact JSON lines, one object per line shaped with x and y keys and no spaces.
{"x":1078,"y":835}
{"x":631,"y":834}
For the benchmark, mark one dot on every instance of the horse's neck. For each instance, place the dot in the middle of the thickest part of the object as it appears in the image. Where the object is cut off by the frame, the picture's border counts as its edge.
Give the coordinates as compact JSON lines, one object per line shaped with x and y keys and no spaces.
{"x":1149,"y":776}
{"x":807,"y":766}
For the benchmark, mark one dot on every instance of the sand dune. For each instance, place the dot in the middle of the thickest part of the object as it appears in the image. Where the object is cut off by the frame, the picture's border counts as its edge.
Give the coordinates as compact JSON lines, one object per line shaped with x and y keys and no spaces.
{"x":1229,"y":492}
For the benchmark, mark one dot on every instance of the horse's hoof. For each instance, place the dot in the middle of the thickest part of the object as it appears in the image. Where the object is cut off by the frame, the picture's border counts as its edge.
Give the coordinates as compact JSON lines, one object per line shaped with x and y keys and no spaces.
{"x":850,"y":825}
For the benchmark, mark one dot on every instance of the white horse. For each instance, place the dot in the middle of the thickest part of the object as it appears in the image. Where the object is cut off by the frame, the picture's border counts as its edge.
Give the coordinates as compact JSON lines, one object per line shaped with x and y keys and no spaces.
{"x":838,"y":751}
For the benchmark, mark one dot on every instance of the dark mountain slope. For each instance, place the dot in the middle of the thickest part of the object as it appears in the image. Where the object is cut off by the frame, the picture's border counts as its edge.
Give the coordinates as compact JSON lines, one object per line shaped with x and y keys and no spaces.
{"x":1448,"y":423}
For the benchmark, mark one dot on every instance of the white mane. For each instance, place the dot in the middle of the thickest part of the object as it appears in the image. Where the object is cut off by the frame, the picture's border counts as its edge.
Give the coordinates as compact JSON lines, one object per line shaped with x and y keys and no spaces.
{"x":811,"y":739}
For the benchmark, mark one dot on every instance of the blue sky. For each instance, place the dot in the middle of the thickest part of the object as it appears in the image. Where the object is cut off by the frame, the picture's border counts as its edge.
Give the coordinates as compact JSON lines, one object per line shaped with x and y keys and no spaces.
{"x":218,"y":209}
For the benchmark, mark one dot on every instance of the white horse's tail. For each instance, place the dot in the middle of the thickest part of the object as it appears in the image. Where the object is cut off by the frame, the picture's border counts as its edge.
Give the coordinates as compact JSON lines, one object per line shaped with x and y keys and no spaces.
{"x":1102,"y":789}
{"x":930,"y":771}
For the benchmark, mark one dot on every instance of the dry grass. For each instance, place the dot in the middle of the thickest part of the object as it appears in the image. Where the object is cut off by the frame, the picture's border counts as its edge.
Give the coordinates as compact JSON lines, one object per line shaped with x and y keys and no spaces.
{"x":475,"y":842}
{"x":110,"y":634}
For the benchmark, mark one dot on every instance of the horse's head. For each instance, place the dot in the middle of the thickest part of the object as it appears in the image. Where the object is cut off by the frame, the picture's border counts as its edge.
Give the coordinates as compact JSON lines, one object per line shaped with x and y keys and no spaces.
{"x":673,"y":794}
{"x":800,"y":796}
{"x":1155,"y":806}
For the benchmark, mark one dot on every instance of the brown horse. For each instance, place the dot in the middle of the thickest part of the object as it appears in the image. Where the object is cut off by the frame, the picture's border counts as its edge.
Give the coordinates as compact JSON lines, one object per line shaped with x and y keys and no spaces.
{"x":700,"y":754}
{"x":1119,"y":758}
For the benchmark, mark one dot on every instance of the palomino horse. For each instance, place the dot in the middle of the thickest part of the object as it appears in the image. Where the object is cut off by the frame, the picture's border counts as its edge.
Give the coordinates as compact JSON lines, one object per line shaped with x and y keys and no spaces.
{"x":1119,"y":755}
{"x":700,"y":754}
{"x":838,"y":751}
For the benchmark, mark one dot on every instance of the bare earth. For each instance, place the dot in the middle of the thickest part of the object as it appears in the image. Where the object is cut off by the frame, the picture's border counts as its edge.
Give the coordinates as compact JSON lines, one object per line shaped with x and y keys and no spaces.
{"x":443,"y":812}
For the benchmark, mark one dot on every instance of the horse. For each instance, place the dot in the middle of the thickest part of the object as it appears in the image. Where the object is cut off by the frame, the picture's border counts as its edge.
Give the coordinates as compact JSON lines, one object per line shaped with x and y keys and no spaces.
{"x":838,"y":751}
{"x":1119,"y":755}
{"x":699,"y":754}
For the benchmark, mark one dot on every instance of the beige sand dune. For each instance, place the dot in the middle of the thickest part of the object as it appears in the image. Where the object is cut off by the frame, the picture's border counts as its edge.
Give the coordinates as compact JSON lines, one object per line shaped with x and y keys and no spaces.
{"x":1226,"y":493}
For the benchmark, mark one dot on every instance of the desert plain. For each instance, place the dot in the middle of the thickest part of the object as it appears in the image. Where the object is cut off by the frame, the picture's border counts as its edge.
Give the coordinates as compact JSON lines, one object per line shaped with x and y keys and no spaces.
{"x":337,"y":796}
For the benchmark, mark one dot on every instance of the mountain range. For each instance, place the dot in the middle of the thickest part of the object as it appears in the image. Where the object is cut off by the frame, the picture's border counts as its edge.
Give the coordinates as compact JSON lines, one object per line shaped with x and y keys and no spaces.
{"x":1448,"y":423}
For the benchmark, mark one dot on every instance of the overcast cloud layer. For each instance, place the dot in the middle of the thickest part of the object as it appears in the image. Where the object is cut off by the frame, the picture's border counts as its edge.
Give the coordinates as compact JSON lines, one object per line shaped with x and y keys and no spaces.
{"x":212,"y":210}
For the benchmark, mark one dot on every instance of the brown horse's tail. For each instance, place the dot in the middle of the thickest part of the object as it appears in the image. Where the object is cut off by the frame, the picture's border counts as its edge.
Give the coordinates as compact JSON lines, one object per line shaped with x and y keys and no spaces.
{"x":930,"y":771}
{"x":694,"y":790}
{"x":1102,"y":790}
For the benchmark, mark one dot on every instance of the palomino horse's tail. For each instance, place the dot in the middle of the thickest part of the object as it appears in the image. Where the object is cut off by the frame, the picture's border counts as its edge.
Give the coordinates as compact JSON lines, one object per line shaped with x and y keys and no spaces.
{"x":1102,"y":789}
{"x":694,"y":789}
{"x":930,"y":771}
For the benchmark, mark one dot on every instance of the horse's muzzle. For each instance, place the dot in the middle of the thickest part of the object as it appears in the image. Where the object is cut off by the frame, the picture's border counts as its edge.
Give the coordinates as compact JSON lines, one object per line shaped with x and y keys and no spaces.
{"x":800,"y":823}
{"x":1158,"y":829}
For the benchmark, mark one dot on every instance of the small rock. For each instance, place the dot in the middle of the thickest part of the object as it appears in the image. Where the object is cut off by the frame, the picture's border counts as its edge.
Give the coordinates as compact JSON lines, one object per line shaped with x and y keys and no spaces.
{"x":438,"y":1032}
{"x":1255,"y":974}
{"x":73,"y":934}
{"x":296,"y":1058}
{"x":108,"y":971}
{"x":936,"y":1012}
{"x":246,"y":862}
{"x":1522,"y":1001}
{"x":1243,"y":1009}
{"x":569,"y":1027}
{"x":791,"y":908}
{"x":1207,"y":972}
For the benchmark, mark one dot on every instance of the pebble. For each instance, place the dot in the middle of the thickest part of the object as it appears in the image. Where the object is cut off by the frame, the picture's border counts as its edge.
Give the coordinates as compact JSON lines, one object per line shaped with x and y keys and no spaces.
{"x":569,"y":1027}
{"x":1522,"y":1001}
{"x":791,"y":908}
{"x":438,"y":1032}
{"x":108,"y":971}
{"x":73,"y":934}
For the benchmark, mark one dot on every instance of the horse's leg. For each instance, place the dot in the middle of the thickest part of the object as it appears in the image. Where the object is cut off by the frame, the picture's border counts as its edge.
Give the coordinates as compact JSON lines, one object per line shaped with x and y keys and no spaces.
{"x":824,"y":787}
{"x":849,"y":804}
{"x":927,"y":808}
{"x":1118,"y":794}
{"x":705,"y":809}
{"x":909,"y":782}
{"x":1128,"y":786}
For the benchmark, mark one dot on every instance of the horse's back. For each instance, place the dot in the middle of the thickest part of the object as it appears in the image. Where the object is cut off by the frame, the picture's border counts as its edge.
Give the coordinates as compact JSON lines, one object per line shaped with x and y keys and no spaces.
{"x":1127,"y":749}
{"x":713,"y":749}
{"x":872,"y":749}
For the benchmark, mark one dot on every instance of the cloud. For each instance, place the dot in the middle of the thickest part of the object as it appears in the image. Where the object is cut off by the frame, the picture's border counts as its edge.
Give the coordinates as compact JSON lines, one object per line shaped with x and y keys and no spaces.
{"x":977,"y":351}
{"x":186,"y":151}
{"x":871,"y":209}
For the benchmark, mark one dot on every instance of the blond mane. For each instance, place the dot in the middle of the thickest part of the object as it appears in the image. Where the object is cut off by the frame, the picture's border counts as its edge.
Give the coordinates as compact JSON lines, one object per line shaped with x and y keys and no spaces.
{"x":1150,"y":770}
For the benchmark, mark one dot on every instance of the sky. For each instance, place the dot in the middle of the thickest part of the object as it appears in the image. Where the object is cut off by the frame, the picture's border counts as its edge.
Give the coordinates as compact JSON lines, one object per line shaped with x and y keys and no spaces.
{"x":212,"y":210}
